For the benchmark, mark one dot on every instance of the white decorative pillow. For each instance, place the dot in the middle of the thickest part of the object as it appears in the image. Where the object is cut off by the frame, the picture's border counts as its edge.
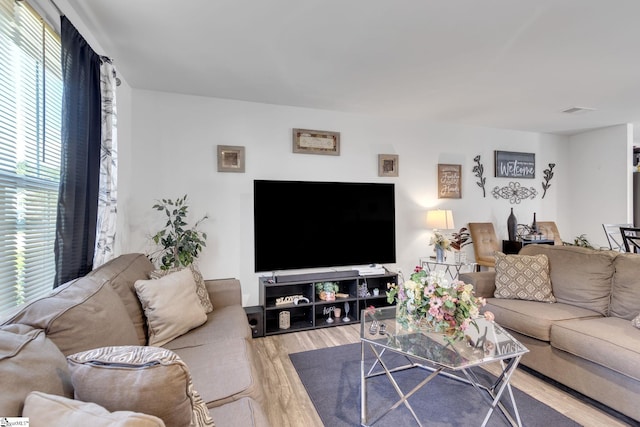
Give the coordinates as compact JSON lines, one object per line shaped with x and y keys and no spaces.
{"x":636,"y":321}
{"x":170,"y":305}
{"x":50,"y":410}
{"x":524,"y":277}
{"x":150,"y":380}
{"x":201,"y":288}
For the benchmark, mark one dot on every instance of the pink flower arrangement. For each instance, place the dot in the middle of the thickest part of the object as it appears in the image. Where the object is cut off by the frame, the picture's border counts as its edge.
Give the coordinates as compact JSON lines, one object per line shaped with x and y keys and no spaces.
{"x":429,"y":300}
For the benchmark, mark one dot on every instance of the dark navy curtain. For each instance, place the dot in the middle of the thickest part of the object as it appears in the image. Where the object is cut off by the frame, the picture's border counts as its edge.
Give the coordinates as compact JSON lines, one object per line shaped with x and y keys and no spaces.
{"x":80,"y":163}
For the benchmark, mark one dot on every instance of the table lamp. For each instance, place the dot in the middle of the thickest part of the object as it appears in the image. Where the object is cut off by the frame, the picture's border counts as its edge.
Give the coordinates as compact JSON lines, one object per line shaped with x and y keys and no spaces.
{"x":440,"y":219}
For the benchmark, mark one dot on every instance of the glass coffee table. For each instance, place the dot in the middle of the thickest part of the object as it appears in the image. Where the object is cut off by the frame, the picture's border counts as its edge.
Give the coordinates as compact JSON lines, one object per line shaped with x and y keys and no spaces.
{"x":431,"y":352}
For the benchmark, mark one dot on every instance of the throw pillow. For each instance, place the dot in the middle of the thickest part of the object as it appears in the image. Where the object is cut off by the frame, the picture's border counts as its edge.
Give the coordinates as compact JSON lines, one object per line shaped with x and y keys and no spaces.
{"x":636,"y":321}
{"x":201,"y":288}
{"x":46,"y":410}
{"x":29,"y":361}
{"x":150,"y":380}
{"x":170,"y":305}
{"x":80,"y":315}
{"x":524,"y":277}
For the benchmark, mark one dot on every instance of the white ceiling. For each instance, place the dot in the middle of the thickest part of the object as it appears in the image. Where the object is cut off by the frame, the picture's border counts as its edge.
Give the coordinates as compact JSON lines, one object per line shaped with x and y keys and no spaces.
{"x":514,"y":64}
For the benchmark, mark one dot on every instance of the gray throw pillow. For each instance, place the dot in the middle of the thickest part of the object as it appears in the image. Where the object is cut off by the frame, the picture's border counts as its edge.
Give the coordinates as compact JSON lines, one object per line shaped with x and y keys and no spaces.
{"x":149,"y":380}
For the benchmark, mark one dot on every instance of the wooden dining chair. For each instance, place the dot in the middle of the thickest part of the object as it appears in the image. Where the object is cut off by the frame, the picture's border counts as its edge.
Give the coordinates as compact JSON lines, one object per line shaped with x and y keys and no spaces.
{"x":614,"y":236}
{"x":485,"y":243}
{"x":631,"y":239}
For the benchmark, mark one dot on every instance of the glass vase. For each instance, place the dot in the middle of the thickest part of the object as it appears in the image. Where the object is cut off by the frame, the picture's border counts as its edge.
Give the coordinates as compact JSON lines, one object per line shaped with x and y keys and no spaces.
{"x":439,"y":254}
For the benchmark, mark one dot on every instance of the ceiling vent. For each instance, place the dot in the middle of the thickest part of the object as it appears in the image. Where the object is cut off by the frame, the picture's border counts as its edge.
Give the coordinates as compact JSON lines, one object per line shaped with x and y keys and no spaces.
{"x":578,"y":110}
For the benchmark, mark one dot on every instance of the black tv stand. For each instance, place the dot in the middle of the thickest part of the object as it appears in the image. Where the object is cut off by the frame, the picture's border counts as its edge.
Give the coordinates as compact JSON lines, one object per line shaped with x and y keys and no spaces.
{"x":355,"y":291}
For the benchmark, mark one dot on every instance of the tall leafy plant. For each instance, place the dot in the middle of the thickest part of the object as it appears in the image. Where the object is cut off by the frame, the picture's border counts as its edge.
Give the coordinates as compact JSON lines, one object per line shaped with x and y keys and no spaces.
{"x":180,"y":245}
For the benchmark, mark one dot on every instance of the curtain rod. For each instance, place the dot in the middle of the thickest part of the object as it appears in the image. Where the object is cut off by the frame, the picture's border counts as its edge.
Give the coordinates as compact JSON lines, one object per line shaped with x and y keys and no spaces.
{"x":102,"y":57}
{"x":57,"y":8}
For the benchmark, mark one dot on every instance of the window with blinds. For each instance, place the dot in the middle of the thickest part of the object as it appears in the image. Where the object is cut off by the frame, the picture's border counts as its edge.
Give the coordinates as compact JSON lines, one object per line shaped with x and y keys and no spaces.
{"x":30,"y":117}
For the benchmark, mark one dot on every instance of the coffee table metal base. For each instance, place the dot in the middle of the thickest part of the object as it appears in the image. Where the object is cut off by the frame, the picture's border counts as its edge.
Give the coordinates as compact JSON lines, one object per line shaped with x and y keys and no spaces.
{"x":491,"y":394}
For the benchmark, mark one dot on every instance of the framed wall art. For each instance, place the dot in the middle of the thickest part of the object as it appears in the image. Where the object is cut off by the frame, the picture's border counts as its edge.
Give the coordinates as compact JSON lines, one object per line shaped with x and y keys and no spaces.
{"x":388,"y":165}
{"x":307,"y":141}
{"x":510,"y":164}
{"x":230,"y":158}
{"x":449,"y":180}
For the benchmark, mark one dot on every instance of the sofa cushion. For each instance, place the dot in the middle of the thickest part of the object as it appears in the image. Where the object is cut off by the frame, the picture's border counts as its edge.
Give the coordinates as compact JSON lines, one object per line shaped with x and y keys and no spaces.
{"x":201,"y":289}
{"x":171,"y":306}
{"x":609,"y":341}
{"x":122,"y":272}
{"x":224,"y":292}
{"x":29,"y":361}
{"x":47,"y":409}
{"x":150,"y":380}
{"x":523,"y":277}
{"x":579,"y":276}
{"x":533,"y":318}
{"x":223,"y":371}
{"x":80,"y":315}
{"x":625,"y":295}
{"x":223,"y":323}
{"x":244,"y":412}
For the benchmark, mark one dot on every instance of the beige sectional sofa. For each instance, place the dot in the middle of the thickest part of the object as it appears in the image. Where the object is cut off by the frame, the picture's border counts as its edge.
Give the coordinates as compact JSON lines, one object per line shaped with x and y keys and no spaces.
{"x":586,"y":339}
{"x":102,"y":309}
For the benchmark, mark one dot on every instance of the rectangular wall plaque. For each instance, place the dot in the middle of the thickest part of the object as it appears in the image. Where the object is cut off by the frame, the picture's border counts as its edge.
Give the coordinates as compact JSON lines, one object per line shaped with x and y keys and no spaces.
{"x":449,"y":181}
{"x":510,"y":164}
{"x":309,"y":141}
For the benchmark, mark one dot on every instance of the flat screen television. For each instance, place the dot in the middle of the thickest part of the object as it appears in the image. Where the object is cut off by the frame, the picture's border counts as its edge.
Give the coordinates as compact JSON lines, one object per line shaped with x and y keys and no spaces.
{"x":303,"y":224}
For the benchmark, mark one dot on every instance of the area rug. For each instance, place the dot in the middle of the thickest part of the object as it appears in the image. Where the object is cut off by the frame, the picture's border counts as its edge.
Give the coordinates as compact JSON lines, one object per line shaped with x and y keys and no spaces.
{"x":332,"y":379}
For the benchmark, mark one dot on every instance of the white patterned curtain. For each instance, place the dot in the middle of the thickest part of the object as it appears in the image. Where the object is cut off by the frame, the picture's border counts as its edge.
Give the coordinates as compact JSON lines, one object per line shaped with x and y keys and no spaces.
{"x":107,"y":196}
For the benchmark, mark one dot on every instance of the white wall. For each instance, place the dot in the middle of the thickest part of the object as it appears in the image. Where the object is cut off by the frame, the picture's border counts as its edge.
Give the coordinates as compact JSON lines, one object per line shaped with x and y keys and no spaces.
{"x":600,"y":181}
{"x":173,"y":152}
{"x":167,"y":146}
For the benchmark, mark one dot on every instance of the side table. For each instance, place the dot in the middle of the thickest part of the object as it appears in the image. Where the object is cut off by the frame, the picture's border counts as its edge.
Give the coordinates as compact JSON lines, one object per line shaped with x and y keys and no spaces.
{"x":452,"y":268}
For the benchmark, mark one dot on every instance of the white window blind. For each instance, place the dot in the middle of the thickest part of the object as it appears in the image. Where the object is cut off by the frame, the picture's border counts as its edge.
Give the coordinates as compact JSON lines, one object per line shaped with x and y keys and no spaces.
{"x":30,"y":117}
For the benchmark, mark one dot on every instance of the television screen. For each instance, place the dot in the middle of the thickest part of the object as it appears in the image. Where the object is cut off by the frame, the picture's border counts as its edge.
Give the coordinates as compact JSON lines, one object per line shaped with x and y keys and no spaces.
{"x":301,"y":224}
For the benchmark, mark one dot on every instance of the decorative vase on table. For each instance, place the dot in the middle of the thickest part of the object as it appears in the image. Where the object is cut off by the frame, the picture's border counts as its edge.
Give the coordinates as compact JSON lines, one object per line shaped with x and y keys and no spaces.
{"x":441,"y":243}
{"x":512,"y":226}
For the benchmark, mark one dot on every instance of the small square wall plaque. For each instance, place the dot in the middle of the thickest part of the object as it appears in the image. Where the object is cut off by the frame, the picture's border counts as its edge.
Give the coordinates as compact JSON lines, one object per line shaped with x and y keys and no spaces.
{"x":230,"y":158}
{"x":388,"y":165}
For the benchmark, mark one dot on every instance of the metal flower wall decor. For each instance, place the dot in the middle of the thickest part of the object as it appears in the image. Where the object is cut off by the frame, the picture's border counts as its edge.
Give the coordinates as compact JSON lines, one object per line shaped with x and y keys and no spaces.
{"x":478,"y":170}
{"x":548,"y":174}
{"x":514,"y":192}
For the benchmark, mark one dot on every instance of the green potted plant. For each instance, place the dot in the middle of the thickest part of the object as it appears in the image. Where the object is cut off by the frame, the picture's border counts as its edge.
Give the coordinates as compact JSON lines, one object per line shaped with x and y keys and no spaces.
{"x":327,"y":290}
{"x":179,"y":245}
{"x":581,"y":241}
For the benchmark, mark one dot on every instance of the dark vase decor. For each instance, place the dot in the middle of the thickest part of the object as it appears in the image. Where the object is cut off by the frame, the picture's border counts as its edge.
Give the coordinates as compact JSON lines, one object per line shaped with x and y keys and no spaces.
{"x":512,"y":226}
{"x":534,"y":225}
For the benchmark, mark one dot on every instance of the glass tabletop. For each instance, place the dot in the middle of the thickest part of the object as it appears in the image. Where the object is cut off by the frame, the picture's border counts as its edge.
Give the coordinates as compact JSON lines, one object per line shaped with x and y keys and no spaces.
{"x":485,"y":344}
{"x":449,"y":261}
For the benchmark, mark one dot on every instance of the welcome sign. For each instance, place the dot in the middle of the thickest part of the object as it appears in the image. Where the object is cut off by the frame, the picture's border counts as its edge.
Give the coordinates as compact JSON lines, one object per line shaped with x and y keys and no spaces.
{"x":510,"y":164}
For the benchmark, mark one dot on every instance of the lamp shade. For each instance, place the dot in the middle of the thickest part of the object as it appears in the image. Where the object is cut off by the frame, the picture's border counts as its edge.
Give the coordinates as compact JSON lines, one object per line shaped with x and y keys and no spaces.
{"x":440,"y":219}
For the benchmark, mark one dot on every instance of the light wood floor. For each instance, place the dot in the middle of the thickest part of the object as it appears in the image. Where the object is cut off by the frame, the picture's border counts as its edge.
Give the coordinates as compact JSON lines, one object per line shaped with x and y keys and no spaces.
{"x":289,"y":404}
